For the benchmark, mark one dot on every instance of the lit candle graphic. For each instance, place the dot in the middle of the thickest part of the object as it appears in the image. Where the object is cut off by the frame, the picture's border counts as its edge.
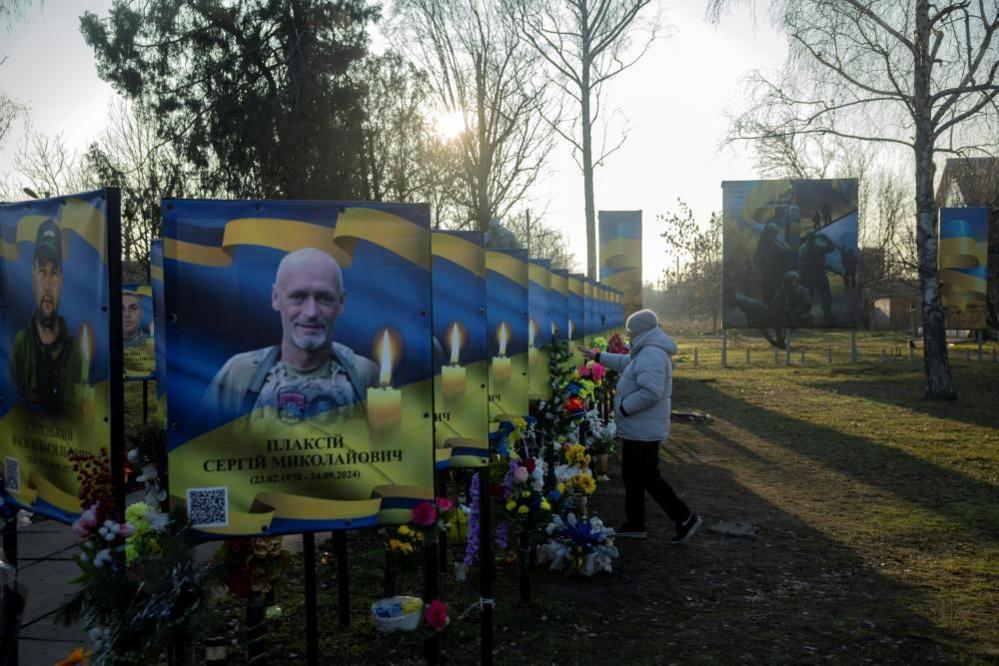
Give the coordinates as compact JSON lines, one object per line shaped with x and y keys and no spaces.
{"x":572,"y":330}
{"x":501,"y":363}
{"x":453,"y":375}
{"x":84,"y":391}
{"x":384,"y":402}
{"x":532,"y":353}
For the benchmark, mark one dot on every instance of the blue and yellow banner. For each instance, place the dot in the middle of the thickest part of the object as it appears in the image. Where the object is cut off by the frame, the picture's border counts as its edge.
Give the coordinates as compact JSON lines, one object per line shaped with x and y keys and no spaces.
{"x":507,"y":312}
{"x":300,"y":364}
{"x":540,"y":329}
{"x":964,"y":266}
{"x":461,"y":361}
{"x":559,"y":300}
{"x":790,"y":253}
{"x":54,"y":345}
{"x":621,"y":254}
{"x":138,"y":352}
{"x":159,"y":324}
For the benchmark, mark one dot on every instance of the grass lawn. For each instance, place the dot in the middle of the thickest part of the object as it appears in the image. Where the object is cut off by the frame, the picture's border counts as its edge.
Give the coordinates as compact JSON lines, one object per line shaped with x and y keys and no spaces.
{"x":878,"y":531}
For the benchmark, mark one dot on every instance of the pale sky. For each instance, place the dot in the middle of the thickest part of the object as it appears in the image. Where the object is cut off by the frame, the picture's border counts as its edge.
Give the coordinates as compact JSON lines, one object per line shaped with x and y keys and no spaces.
{"x":673,"y":101}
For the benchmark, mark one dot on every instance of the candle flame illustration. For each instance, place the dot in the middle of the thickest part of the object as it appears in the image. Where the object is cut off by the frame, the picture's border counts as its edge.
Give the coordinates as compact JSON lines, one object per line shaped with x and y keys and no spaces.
{"x":455,"y":342}
{"x":503,"y":336}
{"x":86,"y":351}
{"x":554,"y":330}
{"x":385,"y":376}
{"x":572,"y":329}
{"x":532,"y":330}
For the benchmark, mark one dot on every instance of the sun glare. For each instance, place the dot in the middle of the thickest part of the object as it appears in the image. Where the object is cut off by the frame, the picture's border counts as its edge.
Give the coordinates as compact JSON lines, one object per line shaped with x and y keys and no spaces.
{"x":449,"y":125}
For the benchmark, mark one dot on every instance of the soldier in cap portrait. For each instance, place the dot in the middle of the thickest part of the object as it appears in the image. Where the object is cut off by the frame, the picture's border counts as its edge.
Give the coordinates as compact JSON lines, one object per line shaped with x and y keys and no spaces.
{"x":46,"y":363}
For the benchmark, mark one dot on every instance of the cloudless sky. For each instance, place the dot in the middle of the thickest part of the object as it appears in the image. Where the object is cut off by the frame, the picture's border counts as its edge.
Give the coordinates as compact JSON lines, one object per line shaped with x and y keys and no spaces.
{"x":673,"y":102}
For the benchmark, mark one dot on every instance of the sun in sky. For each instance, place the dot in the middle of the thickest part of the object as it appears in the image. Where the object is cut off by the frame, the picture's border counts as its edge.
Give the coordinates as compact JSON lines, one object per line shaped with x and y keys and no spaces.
{"x":449,"y":124}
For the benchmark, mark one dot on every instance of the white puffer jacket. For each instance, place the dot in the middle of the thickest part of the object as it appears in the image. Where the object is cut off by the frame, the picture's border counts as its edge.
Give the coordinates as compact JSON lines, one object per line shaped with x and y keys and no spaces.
{"x":642,"y":402}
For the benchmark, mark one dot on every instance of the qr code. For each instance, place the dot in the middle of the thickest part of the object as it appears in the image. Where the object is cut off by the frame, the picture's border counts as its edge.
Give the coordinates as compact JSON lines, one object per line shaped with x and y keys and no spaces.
{"x":12,"y":475}
{"x":208,"y":507}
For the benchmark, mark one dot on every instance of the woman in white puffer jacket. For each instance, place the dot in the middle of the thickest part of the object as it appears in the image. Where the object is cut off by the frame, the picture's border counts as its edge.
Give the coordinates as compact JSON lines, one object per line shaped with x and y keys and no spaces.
{"x":642,"y":413}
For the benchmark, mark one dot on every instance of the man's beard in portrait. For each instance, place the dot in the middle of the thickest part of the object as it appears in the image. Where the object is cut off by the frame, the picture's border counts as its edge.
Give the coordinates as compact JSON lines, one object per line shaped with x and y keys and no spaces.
{"x":47,"y":316}
{"x":310,"y":340}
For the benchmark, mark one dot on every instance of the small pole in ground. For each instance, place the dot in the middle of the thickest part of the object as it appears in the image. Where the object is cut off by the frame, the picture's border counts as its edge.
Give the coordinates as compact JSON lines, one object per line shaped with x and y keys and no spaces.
{"x":853,"y":347}
{"x":724,"y":348}
{"x":967,"y":354}
{"x":912,"y":353}
{"x":695,"y":357}
{"x":748,"y":358}
{"x":978,"y":334}
{"x":787,"y":348}
{"x":775,"y":356}
{"x":884,"y":356}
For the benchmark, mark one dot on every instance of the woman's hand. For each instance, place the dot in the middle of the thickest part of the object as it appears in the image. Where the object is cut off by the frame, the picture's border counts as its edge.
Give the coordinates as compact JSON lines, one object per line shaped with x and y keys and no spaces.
{"x":588,"y":354}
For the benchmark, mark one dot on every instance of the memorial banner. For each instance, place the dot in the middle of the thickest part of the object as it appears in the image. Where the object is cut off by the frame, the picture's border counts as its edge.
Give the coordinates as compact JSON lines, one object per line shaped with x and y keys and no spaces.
{"x":621,"y":254}
{"x":461,"y":397}
{"x":159,"y":324}
{"x":300,"y":364}
{"x":559,"y":300}
{"x":138,"y":352}
{"x":790,"y":254}
{"x":56,"y":273}
{"x":576,"y":309}
{"x":506,"y":293}
{"x":540,"y":329}
{"x":964,"y":265}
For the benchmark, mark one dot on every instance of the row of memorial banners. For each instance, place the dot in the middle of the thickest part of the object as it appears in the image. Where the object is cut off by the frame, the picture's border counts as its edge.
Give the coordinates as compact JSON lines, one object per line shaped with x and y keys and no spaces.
{"x":309,"y":352}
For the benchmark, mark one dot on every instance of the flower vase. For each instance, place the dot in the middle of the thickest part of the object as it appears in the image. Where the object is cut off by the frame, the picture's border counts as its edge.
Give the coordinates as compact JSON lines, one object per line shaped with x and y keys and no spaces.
{"x":603,"y":464}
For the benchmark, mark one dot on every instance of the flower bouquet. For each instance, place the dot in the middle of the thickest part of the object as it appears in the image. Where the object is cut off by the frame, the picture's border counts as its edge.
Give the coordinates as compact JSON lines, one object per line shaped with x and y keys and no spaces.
{"x":579,"y":545}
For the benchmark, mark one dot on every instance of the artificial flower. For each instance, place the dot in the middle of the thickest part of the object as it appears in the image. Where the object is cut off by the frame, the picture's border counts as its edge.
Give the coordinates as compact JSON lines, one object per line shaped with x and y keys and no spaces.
{"x":424,"y":514}
{"x":436,"y":614}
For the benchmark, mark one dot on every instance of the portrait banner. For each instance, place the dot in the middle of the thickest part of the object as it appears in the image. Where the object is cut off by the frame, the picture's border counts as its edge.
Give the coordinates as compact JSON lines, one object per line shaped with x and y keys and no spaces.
{"x":621,"y":254}
{"x":507,"y":313}
{"x":539,"y":332}
{"x":790,"y":254}
{"x":461,"y":362}
{"x":137,"y":330}
{"x":964,"y":265}
{"x":576,"y":314}
{"x":58,"y":266}
{"x":299,"y":357}
{"x":159,"y":324}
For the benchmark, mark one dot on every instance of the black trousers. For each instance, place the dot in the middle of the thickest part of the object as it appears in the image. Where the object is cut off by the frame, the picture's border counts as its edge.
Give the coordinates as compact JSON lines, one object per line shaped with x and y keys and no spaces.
{"x":640,"y":471}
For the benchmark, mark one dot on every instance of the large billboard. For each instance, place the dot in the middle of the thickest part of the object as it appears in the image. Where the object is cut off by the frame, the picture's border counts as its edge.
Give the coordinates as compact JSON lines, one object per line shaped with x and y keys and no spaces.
{"x":461,"y":418}
{"x":621,"y":254}
{"x":558,"y":298}
{"x":57,"y":270}
{"x":539,"y":332}
{"x":507,"y":297}
{"x":299,"y":356}
{"x":964,"y":262}
{"x":159,"y":324}
{"x":790,"y":254}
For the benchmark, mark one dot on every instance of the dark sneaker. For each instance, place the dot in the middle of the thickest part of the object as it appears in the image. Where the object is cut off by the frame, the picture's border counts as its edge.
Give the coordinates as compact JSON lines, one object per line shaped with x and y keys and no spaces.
{"x":631,"y":531}
{"x":687,"y":529}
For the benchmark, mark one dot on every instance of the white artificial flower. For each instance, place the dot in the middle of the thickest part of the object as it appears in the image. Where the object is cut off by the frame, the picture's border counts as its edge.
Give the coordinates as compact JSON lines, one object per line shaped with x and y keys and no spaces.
{"x":133,"y":456}
{"x":103,"y":557}
{"x":149,"y":473}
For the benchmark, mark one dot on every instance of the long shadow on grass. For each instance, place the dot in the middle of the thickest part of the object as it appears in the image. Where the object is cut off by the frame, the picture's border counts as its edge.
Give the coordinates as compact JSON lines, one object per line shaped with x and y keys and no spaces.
{"x":965,"y":501}
{"x":793,"y":595}
{"x":977,"y":393}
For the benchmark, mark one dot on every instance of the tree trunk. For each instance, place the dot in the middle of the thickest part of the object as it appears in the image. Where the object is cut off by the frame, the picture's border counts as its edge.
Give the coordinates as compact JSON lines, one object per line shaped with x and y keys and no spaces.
{"x":587,"y":130}
{"x":483,"y":209}
{"x":939,"y":380}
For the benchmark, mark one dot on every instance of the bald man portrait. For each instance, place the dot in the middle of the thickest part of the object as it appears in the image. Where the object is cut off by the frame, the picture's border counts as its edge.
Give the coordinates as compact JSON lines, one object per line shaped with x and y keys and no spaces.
{"x":307,"y":375}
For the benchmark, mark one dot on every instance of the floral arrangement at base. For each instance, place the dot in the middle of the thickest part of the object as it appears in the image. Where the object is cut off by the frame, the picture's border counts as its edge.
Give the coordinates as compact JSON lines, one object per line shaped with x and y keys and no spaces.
{"x":602,"y":437}
{"x":254,"y":565}
{"x":578,"y":545}
{"x":525,"y":506}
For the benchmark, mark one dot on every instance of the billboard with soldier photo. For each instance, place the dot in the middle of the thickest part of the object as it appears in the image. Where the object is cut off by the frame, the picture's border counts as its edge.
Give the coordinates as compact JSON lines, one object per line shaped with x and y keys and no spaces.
{"x":790,"y":254}
{"x":300,"y":364}
{"x":540,"y":331}
{"x":964,"y":262}
{"x":55,"y":331}
{"x":461,"y":419}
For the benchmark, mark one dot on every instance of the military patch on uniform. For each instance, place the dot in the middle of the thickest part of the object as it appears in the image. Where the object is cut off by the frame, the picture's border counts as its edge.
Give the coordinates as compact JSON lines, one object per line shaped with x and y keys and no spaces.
{"x":291,"y":406}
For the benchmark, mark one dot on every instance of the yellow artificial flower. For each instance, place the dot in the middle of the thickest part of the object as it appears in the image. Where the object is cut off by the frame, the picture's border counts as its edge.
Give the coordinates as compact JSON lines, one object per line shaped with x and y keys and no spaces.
{"x":411,"y":605}
{"x":511,"y":505}
{"x":404,"y":530}
{"x":561,"y":488}
{"x":523,"y":509}
{"x":545,"y":506}
{"x":525,"y":493}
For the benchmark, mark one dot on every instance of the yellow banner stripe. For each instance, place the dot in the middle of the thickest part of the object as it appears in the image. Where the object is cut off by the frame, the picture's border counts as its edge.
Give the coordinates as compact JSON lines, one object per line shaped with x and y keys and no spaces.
{"x":507,"y":266}
{"x":560,"y":283}
{"x":539,"y":275}
{"x":466,"y":254}
{"x":575,"y":286}
{"x":77,"y":216}
{"x":394,"y":233}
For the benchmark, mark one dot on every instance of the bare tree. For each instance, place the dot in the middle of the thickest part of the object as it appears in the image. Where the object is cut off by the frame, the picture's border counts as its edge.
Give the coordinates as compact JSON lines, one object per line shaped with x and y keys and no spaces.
{"x":479,"y":67}
{"x":586,"y":43}
{"x":46,"y":165}
{"x":906,"y":72}
{"x":541,"y":240}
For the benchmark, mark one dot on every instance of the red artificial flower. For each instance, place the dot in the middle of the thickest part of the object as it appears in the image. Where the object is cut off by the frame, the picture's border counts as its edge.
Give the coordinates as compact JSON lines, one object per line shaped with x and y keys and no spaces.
{"x":424,"y":514}
{"x":436,"y":614}
{"x":573,"y":404}
{"x":444,"y":504}
{"x":529,"y":464}
{"x":584,"y":371}
{"x":496,"y":490}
